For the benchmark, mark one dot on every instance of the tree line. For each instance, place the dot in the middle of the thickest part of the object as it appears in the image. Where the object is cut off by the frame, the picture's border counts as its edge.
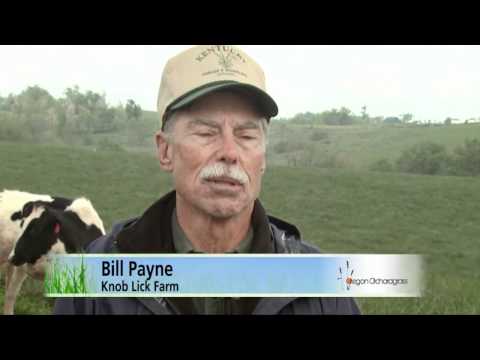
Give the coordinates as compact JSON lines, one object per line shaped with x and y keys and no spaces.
{"x":35,"y":114}
{"x":345,"y":116}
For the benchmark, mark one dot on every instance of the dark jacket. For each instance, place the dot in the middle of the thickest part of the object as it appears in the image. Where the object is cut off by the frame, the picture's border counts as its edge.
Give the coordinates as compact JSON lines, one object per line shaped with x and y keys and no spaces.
{"x":151,"y":233}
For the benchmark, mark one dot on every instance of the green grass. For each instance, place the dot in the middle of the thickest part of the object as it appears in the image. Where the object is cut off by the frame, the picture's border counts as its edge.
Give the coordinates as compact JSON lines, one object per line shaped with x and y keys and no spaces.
{"x":30,"y":300}
{"x":339,"y":210}
{"x":366,"y":212}
{"x":66,"y":279}
{"x":355,"y":147}
{"x":358,"y":147}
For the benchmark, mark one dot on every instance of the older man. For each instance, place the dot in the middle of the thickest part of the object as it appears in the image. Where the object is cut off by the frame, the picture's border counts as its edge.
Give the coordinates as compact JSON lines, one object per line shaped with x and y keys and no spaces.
{"x":214,"y":112}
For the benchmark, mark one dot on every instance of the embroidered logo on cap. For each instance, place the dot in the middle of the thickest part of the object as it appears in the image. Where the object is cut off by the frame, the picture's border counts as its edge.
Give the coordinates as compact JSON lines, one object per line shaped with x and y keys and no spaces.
{"x":227,"y":57}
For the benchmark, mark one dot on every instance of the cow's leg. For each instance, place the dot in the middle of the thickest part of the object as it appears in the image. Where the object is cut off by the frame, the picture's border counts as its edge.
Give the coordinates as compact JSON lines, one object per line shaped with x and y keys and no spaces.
{"x":16,"y":279}
{"x":8,"y":274}
{"x":37,"y":270}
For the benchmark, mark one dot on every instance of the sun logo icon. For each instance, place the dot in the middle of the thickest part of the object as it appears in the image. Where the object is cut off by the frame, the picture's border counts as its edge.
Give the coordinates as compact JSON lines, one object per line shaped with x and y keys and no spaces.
{"x":345,"y":275}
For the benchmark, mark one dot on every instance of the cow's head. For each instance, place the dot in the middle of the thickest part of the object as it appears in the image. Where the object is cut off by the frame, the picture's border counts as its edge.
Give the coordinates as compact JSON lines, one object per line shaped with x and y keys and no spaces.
{"x":41,"y":228}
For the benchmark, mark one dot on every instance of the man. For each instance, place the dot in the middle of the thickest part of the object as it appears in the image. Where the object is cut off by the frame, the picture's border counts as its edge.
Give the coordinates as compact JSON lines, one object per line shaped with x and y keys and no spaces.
{"x":214,"y":112}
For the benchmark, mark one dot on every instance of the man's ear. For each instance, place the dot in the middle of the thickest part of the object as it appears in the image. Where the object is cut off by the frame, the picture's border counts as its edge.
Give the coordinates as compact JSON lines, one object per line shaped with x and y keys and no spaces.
{"x":164,"y":151}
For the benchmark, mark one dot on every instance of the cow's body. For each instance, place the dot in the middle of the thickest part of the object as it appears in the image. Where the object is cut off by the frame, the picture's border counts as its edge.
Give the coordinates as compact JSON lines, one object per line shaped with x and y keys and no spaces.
{"x":21,"y":212}
{"x":10,"y":203}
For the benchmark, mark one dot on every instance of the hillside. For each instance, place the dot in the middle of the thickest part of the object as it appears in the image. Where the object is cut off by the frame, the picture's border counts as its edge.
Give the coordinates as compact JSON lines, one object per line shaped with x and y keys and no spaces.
{"x":339,"y":210}
{"x":357,"y":147}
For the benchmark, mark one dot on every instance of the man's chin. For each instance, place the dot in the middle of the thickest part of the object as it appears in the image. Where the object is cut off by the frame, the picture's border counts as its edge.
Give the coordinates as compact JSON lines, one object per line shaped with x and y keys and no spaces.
{"x":224,"y":209}
{"x":223,"y":214}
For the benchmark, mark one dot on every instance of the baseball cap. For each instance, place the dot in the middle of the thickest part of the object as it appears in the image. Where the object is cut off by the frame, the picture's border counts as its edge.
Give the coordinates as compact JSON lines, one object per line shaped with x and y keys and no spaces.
{"x":204,"y":69}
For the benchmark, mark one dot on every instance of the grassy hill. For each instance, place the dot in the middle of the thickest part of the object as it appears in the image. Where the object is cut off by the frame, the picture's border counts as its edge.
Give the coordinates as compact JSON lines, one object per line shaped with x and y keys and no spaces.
{"x":357,"y":147}
{"x":352,"y":147}
{"x":339,"y":210}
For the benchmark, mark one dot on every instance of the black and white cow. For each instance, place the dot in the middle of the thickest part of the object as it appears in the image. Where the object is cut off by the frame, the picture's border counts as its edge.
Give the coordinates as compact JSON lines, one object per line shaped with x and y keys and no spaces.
{"x":33,"y":226}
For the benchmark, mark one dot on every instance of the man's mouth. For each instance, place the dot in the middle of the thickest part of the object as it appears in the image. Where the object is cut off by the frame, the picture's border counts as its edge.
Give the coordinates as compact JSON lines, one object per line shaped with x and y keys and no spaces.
{"x":224,"y":181}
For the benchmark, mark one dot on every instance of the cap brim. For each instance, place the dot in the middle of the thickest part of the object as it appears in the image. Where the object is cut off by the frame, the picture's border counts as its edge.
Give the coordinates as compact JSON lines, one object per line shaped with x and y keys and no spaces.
{"x":263,"y":101}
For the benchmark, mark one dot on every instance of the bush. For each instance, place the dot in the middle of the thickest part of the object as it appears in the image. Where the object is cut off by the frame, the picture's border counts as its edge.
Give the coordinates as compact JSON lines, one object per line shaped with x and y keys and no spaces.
{"x":87,"y":140}
{"x":466,"y":158}
{"x":331,"y":161}
{"x":108,"y":145}
{"x":424,"y":158}
{"x":285,"y":147}
{"x":10,"y":128}
{"x":382,"y":165}
{"x":318,"y":136}
{"x":140,"y":131}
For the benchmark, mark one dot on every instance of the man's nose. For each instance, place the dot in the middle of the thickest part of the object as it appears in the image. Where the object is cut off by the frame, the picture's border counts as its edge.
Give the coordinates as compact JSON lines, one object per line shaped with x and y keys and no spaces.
{"x":229,"y":149}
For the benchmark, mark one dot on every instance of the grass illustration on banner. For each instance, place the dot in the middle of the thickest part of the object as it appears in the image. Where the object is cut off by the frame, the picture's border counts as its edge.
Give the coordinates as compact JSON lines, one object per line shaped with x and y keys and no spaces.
{"x":63,"y":279}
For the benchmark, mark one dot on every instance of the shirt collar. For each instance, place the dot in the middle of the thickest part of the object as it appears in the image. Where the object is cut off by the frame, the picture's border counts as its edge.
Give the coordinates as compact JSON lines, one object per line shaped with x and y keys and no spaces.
{"x":183,"y":245}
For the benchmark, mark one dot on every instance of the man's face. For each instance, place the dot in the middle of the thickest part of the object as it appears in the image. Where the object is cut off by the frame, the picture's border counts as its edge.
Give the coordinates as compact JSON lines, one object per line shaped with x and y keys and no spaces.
{"x":216,"y":154}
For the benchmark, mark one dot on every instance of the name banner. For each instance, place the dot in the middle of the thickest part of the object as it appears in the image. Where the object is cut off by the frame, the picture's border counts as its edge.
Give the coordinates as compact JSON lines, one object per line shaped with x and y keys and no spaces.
{"x":234,"y":275}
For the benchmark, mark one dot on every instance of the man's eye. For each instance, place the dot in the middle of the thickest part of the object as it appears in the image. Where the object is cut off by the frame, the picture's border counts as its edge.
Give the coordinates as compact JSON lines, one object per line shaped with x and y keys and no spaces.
{"x":247,"y":137}
{"x":205,"y":134}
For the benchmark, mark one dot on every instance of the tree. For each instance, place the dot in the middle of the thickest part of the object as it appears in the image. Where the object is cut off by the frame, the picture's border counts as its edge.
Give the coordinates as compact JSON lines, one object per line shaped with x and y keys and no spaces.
{"x":448,"y":121}
{"x":34,"y":108}
{"x":87,"y":112}
{"x":392,"y":120}
{"x":7,"y":103}
{"x":406,"y":118}
{"x":105,"y":121}
{"x":61,"y":117}
{"x":133,"y":111}
{"x":74,"y":100}
{"x":365,"y":117}
{"x":337,"y":117}
{"x":33,"y":100}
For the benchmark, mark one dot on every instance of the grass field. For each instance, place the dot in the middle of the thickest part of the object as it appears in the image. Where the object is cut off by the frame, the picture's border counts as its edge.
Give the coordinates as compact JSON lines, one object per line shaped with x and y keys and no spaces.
{"x":357,"y":147}
{"x":339,"y":210}
{"x":352,"y":147}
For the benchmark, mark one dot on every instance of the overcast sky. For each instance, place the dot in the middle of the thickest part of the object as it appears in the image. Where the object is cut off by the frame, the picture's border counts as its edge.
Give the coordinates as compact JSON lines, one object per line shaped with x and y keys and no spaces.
{"x":431,"y":82}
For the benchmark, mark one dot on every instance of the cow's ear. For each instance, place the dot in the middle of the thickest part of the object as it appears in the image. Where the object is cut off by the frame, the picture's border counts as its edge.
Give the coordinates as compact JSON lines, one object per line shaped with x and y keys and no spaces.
{"x":27,"y":209}
{"x":48,"y":223}
{"x":55,"y":218}
{"x":16,"y":216}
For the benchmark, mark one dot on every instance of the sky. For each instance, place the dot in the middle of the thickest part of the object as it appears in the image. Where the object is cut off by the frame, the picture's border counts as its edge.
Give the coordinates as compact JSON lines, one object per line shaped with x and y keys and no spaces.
{"x":430,"y":82}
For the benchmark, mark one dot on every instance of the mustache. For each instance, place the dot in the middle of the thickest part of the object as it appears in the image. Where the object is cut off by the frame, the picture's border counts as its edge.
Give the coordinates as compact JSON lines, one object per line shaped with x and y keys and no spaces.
{"x":218,"y":170}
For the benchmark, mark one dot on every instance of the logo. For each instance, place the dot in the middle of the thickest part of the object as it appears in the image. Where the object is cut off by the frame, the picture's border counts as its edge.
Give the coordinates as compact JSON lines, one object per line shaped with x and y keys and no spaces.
{"x":227,"y":57}
{"x":225,"y":60}
{"x":345,"y":275}
{"x":346,"y":279}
